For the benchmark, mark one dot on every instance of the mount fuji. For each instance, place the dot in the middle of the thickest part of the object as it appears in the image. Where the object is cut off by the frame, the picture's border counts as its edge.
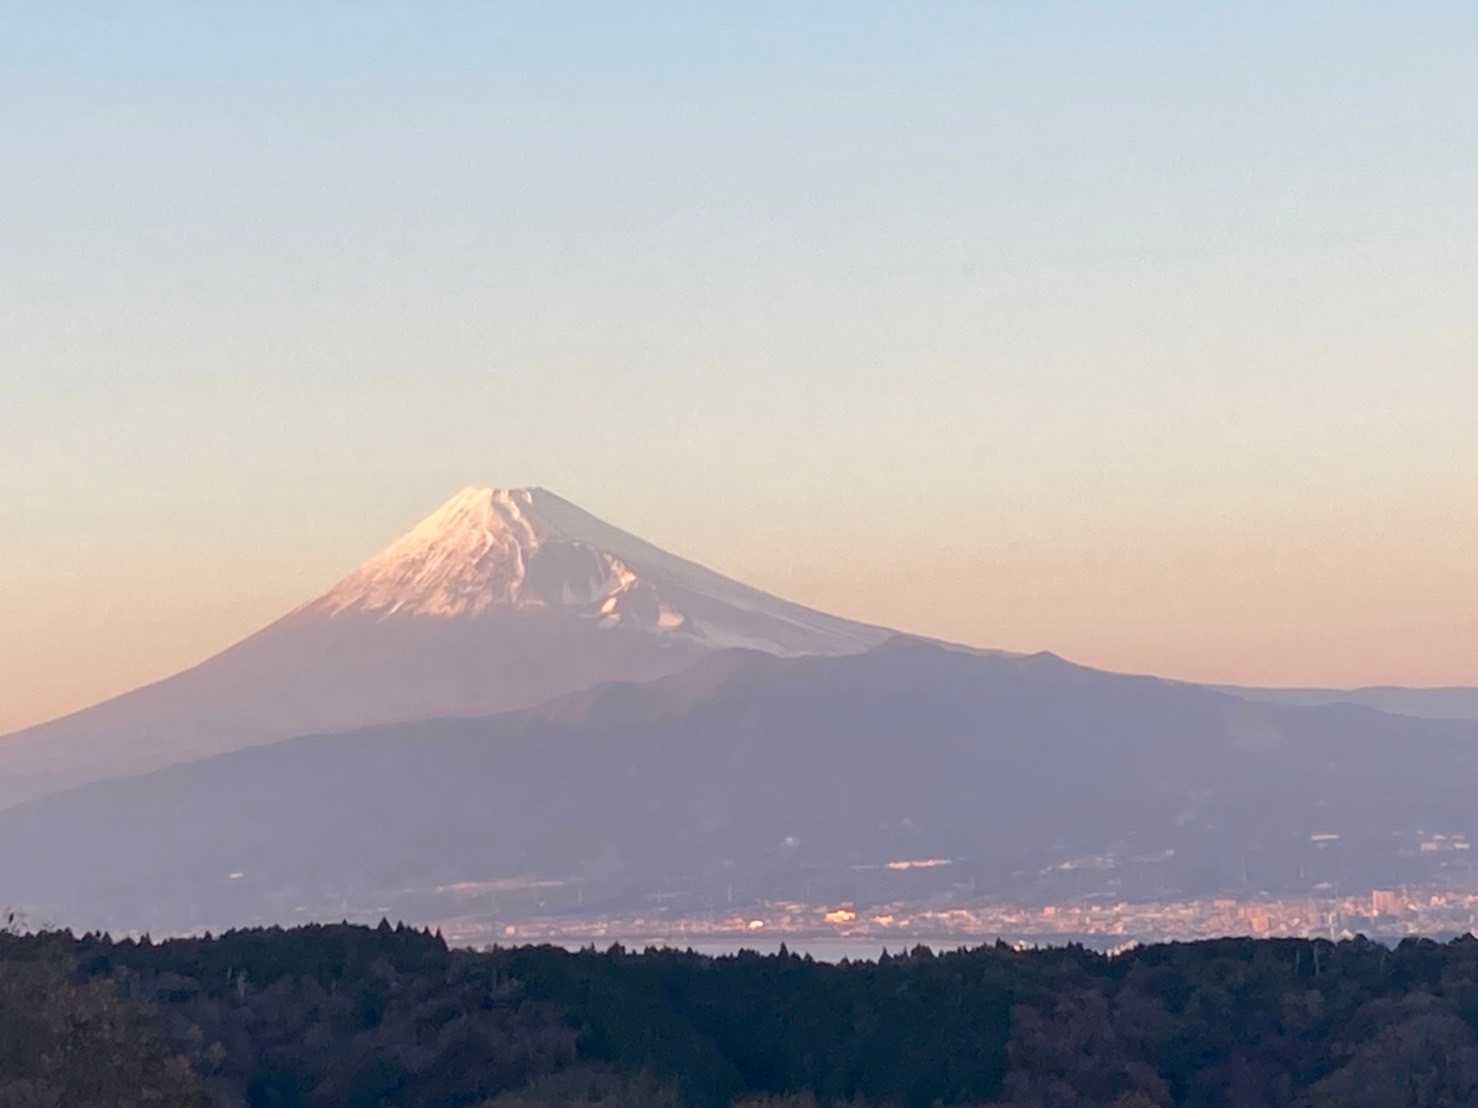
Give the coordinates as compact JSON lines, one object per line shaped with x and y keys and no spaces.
{"x":500,"y":599}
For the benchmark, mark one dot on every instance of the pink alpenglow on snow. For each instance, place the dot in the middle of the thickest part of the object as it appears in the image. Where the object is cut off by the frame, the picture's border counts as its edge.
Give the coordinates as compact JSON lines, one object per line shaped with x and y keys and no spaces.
{"x":500,"y":599}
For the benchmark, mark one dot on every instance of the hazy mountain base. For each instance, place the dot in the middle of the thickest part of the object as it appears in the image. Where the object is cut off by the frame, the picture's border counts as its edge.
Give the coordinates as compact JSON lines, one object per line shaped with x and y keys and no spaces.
{"x":749,"y":778}
{"x":1429,"y":703}
{"x":348,"y":1016}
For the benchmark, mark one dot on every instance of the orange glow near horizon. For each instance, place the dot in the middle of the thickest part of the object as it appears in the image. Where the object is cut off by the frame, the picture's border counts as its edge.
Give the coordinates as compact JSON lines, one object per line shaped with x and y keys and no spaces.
{"x":960,"y":325}
{"x":1271,"y":600}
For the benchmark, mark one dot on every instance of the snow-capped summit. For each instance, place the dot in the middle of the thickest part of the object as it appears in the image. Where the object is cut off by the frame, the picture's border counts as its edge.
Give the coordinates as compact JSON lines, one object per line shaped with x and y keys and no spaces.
{"x":471,"y":553}
{"x":495,"y":548}
{"x":490,"y":550}
{"x":500,"y":599}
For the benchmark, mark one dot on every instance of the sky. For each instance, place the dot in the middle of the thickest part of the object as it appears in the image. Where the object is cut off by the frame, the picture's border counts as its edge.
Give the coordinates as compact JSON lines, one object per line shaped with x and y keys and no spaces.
{"x":1143,"y":333}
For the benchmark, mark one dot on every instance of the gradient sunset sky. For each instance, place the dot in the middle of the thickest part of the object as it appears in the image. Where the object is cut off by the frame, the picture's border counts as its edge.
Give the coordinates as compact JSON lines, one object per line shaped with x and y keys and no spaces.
{"x":1146,"y":333}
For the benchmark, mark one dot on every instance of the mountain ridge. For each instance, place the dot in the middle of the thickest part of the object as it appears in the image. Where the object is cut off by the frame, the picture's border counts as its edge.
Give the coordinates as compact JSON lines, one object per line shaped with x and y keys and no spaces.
{"x":767,"y":778}
{"x":499,"y":599}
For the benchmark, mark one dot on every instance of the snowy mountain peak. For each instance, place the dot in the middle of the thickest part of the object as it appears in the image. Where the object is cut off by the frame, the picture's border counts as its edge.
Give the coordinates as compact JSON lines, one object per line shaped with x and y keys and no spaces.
{"x":499,"y":599}
{"x":491,"y":548}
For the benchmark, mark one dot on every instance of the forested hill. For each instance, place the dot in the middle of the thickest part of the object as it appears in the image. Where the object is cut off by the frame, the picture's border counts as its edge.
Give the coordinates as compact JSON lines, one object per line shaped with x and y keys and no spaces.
{"x":351,"y":1016}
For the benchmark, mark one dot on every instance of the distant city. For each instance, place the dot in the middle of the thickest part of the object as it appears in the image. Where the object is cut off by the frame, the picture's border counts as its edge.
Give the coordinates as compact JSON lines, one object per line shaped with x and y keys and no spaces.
{"x":528,"y":724}
{"x":1103,"y":923}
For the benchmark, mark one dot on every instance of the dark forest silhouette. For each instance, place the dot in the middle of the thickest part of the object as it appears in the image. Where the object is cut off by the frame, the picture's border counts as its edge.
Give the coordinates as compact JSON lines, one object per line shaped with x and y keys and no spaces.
{"x":353,"y":1016}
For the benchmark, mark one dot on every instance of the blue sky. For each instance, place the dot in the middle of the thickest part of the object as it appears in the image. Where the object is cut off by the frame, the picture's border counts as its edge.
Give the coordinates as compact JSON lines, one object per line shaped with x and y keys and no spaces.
{"x":1142,"y":332}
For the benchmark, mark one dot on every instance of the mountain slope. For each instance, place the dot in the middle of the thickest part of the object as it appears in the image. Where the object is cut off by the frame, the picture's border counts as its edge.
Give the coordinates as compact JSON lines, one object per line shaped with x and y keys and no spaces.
{"x":750,"y":776}
{"x":500,"y":599}
{"x":1452,"y":702}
